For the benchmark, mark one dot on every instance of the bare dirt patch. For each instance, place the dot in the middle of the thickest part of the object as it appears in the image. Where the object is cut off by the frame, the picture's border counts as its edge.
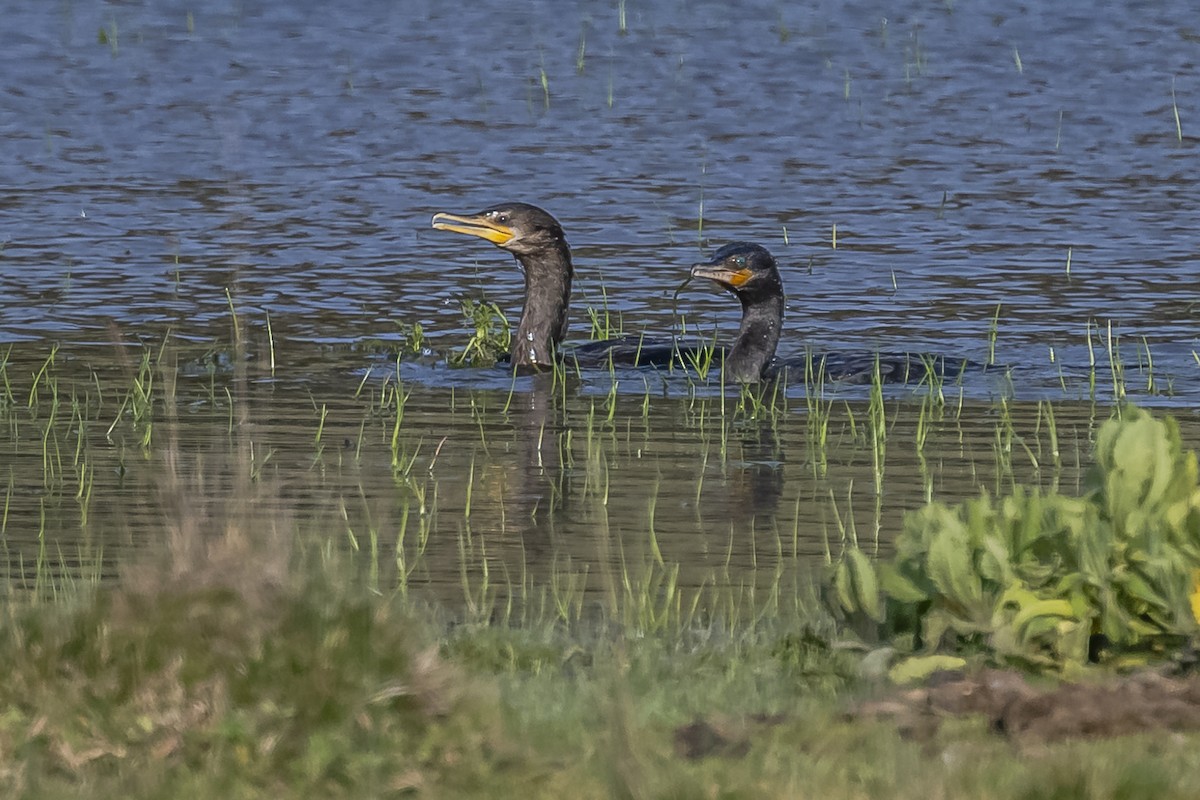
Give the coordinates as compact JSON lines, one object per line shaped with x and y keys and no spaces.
{"x":1134,"y":704}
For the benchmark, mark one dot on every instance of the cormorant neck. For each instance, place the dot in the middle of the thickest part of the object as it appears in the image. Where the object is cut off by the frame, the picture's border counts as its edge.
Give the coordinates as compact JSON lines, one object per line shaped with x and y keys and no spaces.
{"x":762,"y":321}
{"x":543,"y":326}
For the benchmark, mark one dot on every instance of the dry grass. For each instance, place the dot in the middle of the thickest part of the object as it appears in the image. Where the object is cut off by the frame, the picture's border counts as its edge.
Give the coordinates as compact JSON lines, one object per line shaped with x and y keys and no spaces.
{"x":222,"y":531}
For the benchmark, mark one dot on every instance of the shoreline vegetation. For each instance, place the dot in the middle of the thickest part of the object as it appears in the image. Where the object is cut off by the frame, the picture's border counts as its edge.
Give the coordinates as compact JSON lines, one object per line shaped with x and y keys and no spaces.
{"x":1031,"y":642}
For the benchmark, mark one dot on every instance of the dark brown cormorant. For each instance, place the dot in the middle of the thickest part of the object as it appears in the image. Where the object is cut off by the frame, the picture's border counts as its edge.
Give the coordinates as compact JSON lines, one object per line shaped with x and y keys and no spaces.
{"x":536,"y":240}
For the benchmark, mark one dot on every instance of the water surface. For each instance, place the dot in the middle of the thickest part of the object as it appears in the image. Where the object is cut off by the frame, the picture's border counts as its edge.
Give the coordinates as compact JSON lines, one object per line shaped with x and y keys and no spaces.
{"x":1027,"y":170}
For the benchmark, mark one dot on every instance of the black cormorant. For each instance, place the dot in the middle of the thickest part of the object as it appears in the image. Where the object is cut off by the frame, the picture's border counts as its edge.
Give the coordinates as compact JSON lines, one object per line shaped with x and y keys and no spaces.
{"x":750,"y":273}
{"x":536,"y":240}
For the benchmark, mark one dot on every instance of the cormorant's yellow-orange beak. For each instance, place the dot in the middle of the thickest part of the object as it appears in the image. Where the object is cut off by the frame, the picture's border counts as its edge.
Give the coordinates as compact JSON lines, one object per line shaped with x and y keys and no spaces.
{"x":480,"y":226}
{"x":727,"y":277}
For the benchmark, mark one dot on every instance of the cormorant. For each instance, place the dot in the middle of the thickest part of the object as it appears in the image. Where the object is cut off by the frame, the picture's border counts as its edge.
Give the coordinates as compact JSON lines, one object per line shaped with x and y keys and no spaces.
{"x":749,"y":272}
{"x":536,"y":240}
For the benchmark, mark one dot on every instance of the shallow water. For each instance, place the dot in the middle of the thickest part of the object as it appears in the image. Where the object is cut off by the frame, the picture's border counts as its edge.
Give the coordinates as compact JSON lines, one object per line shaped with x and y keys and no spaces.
{"x":486,"y":494}
{"x":1018,"y":168}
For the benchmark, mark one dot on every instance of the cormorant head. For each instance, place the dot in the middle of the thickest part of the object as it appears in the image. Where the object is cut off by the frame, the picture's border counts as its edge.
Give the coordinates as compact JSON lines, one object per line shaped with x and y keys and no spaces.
{"x":519,"y":228}
{"x":748,"y":270}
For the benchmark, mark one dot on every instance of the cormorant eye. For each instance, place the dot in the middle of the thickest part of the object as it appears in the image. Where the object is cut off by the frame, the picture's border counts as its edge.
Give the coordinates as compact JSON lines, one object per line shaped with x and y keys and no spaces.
{"x":739,"y":260}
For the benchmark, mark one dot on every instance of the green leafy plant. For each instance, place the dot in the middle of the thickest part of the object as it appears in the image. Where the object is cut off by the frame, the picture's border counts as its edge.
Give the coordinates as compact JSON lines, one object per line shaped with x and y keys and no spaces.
{"x":491,"y":339}
{"x":1045,"y":579}
{"x":412,"y":338}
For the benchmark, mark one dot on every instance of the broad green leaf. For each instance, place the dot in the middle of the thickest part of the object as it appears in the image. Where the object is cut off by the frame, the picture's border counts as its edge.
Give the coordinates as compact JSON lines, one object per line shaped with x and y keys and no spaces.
{"x":843,"y":584}
{"x":919,"y":668}
{"x":1194,"y":597}
{"x":1038,"y":633}
{"x":1043,"y":608}
{"x":934,"y":625}
{"x":950,"y":565}
{"x":1139,"y":588}
{"x":995,"y":563}
{"x":866,"y":587}
{"x":899,"y":586}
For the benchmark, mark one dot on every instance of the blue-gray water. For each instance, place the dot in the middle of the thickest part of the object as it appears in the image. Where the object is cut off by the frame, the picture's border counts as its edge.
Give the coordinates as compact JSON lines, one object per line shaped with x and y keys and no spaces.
{"x":294,"y":155}
{"x":162,"y":161}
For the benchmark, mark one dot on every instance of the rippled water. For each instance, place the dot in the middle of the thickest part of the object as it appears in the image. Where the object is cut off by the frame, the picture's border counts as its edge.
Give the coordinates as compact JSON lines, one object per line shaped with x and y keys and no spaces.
{"x":293,"y":155}
{"x":1034,"y":166}
{"x":526,"y":483}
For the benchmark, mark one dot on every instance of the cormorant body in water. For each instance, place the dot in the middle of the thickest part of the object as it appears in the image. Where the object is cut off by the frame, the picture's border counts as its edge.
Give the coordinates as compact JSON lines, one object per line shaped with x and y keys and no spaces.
{"x":749,"y":272}
{"x":537,"y":241}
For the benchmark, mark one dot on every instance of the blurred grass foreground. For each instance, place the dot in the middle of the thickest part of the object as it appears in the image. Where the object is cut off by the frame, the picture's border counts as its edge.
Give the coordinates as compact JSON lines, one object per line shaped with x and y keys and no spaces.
{"x":243,"y":659}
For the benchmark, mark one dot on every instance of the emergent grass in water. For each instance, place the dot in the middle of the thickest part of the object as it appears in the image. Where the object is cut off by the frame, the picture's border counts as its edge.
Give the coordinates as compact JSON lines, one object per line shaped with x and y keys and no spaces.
{"x":250,"y":647}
